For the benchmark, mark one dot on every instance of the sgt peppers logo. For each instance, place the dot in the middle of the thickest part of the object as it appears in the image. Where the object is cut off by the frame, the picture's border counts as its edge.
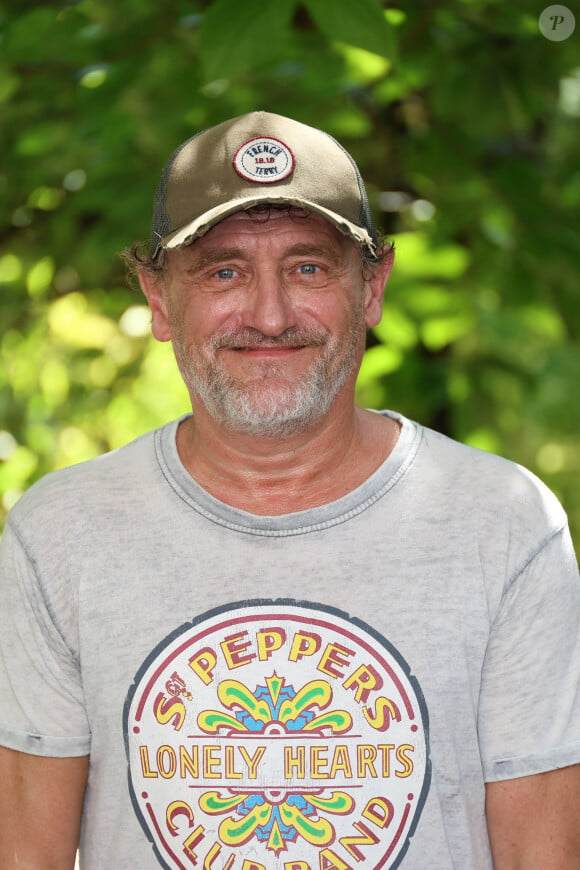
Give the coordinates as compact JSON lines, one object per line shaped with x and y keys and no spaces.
{"x":277,"y":736}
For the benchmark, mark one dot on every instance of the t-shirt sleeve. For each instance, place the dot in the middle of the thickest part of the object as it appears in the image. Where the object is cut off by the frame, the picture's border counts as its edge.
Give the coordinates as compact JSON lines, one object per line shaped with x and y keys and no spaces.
{"x":41,"y":698}
{"x":529,"y":712}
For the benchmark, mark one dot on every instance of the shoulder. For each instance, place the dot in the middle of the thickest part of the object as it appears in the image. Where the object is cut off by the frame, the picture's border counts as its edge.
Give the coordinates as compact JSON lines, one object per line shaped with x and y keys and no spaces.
{"x":493,"y":482}
{"x":482,"y":501}
{"x":63,"y":498}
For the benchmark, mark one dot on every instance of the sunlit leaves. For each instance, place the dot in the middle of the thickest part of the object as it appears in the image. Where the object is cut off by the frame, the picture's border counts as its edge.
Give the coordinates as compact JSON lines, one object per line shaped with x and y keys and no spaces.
{"x":364,"y":67}
{"x":79,"y":383}
{"x":10,"y":269}
{"x":72,"y":324}
{"x":358,"y":22}
{"x":379,"y":362}
{"x":397,"y":329}
{"x":418,"y":257}
{"x":39,"y":277}
{"x":238,"y":36}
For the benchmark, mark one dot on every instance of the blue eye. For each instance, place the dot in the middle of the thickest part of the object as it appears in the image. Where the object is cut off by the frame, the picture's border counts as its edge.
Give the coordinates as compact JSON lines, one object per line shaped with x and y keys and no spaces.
{"x":225,"y":273}
{"x":308,"y":269}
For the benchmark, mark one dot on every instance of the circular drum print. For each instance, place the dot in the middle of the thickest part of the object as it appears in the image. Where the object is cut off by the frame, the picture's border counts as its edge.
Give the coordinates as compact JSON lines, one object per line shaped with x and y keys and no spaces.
{"x":275,"y":735}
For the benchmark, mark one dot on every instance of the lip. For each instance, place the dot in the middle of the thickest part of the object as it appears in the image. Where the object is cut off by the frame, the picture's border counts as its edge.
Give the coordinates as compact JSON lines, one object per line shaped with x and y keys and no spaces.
{"x":263,"y":351}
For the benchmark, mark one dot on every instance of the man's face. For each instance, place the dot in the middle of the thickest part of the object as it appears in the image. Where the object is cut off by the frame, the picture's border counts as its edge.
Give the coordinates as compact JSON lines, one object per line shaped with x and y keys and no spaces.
{"x":267,"y":314}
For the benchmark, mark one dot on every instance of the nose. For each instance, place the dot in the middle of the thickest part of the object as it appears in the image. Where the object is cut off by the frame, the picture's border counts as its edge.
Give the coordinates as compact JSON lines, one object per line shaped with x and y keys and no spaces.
{"x":269,"y":307}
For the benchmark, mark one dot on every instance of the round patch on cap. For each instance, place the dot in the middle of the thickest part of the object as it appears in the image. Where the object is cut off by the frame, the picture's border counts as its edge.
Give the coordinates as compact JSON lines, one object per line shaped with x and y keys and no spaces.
{"x":263,"y":160}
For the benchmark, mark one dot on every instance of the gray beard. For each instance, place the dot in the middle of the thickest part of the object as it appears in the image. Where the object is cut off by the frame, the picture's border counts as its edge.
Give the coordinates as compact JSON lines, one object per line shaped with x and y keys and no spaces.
{"x":269,"y":406}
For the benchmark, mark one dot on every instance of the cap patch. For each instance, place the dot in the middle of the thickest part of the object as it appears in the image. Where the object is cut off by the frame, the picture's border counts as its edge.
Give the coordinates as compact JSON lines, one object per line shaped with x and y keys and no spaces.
{"x":263,"y":159}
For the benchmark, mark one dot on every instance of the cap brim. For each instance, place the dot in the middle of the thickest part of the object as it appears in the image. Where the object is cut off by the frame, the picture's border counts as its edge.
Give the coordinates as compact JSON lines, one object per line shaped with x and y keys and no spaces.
{"x":195,"y":229}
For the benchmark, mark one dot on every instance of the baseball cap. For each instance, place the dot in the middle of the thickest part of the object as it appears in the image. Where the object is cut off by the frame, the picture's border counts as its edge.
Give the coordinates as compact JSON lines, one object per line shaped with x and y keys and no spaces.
{"x":255,"y":159}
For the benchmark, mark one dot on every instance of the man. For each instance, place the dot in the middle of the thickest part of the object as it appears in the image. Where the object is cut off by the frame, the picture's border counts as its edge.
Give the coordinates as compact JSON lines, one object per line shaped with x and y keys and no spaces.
{"x":285,"y":632}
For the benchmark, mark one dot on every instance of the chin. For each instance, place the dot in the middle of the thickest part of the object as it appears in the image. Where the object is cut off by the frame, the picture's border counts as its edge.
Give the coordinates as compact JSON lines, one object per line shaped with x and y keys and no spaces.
{"x":274,"y":415}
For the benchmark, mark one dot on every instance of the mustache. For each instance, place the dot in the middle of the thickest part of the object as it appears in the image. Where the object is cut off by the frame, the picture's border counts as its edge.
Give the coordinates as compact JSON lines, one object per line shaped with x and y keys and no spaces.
{"x":248,"y":337}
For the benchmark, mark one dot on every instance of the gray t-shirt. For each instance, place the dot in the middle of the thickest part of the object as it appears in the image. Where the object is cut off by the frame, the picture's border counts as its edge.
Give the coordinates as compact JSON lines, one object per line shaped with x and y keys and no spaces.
{"x":320,"y":689}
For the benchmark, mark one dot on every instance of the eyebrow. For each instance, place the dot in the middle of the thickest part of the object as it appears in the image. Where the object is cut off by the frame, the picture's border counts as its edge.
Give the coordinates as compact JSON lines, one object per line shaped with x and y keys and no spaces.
{"x":303,"y":249}
{"x":213,"y":257}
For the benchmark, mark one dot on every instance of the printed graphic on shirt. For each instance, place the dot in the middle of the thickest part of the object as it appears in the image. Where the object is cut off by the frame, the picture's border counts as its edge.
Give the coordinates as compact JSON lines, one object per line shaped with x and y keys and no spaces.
{"x":277,"y":735}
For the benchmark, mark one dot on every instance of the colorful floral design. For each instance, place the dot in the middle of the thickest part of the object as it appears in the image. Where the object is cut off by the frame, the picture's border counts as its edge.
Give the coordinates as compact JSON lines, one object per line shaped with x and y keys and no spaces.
{"x":275,"y":816}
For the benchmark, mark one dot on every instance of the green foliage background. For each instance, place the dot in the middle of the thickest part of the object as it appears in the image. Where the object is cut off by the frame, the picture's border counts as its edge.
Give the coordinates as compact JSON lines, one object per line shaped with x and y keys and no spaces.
{"x":464,"y":121}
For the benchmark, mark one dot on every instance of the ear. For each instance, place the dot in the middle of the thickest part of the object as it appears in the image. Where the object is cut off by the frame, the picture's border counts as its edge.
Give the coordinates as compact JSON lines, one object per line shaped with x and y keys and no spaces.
{"x":153,"y":289}
{"x":375,"y":287}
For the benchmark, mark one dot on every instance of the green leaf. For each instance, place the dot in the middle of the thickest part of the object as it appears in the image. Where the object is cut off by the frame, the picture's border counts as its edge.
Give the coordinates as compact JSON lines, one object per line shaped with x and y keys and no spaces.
{"x":356,"y":22}
{"x":418,"y":257}
{"x":379,"y":361}
{"x":396,"y":329}
{"x":238,"y":36}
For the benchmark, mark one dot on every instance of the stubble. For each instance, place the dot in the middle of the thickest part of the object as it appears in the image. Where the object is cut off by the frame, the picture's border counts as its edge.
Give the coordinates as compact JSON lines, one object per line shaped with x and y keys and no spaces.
{"x":269,"y":403}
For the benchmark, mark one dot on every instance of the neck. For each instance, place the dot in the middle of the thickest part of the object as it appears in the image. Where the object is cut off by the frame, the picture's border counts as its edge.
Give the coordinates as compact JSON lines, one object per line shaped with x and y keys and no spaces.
{"x":269,"y":476}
